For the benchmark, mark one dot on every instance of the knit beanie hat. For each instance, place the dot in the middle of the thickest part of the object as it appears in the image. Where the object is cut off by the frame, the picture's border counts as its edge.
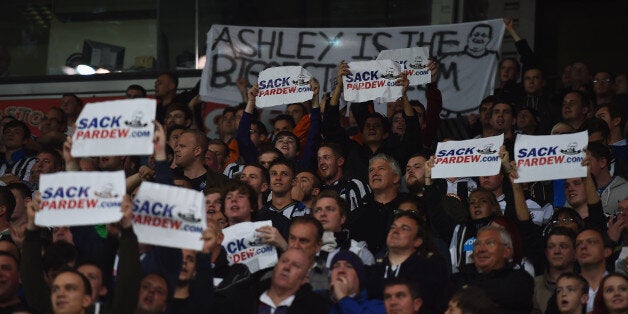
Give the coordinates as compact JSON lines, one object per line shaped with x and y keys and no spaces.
{"x":354,"y":260}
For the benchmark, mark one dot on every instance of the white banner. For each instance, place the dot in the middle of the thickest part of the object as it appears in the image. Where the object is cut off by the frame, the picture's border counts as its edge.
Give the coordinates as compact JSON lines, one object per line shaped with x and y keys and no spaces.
{"x":470,"y":158}
{"x":171,"y":216}
{"x":115,"y":128}
{"x":244,"y":247}
{"x":283,"y":85}
{"x":80,"y":198}
{"x":550,"y":157}
{"x":467,"y":53}
{"x":413,"y":62}
{"x":369,"y":80}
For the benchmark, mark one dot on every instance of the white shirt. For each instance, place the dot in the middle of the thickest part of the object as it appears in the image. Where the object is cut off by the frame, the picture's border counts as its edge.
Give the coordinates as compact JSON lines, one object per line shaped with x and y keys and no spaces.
{"x":264,"y":298}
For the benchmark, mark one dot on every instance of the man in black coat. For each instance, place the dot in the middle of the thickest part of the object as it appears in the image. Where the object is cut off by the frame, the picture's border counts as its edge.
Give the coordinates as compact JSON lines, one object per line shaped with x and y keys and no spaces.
{"x":287,"y":289}
{"x":510,"y":289}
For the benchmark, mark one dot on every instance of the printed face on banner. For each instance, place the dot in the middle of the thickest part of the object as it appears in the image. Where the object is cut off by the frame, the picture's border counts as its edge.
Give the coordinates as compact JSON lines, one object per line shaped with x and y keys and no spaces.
{"x":466,"y":51}
{"x":369,"y":80}
{"x":550,"y":157}
{"x":169,"y":216}
{"x":243,"y":246}
{"x":283,"y":85}
{"x":115,"y":128}
{"x":413,"y":62}
{"x":80,"y":198}
{"x":470,"y":158}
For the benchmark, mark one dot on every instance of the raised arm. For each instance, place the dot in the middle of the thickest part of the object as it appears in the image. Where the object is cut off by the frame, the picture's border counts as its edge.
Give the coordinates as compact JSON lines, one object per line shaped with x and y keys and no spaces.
{"x":35,"y":288}
{"x":527,"y":55}
{"x":127,"y":287}
{"x":402,"y":80}
{"x":241,"y":84}
{"x":71,"y":164}
{"x":248,"y":151}
{"x":521,"y":208}
{"x":434,"y":106}
{"x":590,"y":188}
{"x":314,"y":132}
{"x":163,"y":172}
{"x":343,"y":69}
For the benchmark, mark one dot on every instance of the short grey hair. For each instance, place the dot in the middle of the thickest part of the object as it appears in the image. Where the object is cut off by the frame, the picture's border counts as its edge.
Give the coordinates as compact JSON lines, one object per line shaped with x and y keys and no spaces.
{"x":504,"y":236}
{"x":390,"y":160}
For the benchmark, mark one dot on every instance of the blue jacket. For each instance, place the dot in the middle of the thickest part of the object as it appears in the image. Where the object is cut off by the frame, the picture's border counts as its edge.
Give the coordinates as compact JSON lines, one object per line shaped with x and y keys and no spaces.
{"x":358,"y":305}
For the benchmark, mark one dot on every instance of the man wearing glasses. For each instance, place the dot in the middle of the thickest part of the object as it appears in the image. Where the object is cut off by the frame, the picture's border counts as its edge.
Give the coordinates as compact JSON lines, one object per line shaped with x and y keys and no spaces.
{"x":511,"y":289}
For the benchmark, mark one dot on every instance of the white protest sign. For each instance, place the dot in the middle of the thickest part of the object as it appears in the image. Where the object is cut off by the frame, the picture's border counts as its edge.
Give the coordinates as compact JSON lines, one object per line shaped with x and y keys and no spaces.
{"x":115,"y":128}
{"x":283,"y":85}
{"x":369,"y":80}
{"x":244,"y":247}
{"x":470,"y":158}
{"x":467,"y":54}
{"x":167,"y":215}
{"x":80,"y":198}
{"x":413,"y":62}
{"x":550,"y":157}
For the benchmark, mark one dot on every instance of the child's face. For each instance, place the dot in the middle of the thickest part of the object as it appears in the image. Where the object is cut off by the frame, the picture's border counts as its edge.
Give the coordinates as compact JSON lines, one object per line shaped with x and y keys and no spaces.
{"x":569,"y":295}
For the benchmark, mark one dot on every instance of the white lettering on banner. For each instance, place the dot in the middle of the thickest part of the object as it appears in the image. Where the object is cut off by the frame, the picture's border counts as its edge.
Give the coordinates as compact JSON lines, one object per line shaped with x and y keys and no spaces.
{"x":467,"y":53}
{"x":470,"y":158}
{"x":550,"y":157}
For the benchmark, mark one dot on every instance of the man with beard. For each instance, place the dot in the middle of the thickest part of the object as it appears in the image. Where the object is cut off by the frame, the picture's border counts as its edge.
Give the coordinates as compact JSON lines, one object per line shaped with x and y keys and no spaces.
{"x":415,"y":174}
{"x":331,"y":160}
{"x":188,"y":271}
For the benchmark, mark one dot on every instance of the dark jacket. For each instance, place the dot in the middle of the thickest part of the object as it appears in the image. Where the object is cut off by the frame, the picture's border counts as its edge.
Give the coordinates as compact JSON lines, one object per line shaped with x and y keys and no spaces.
{"x":510,"y":289}
{"x":245,"y":299}
{"x":371,"y":221}
{"x":430,"y":272}
{"x":126,"y":290}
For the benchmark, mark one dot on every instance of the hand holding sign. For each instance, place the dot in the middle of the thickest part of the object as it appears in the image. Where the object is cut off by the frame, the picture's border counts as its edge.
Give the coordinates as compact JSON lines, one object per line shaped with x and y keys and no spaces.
{"x":315,"y":87}
{"x":270,"y":235}
{"x":32,"y":207}
{"x":71,"y":164}
{"x":427,"y":168}
{"x":159,"y":142}
{"x":402,"y":80}
{"x":212,"y":236}
{"x":343,"y":70}
{"x":127,"y":212}
{"x":432,"y":65}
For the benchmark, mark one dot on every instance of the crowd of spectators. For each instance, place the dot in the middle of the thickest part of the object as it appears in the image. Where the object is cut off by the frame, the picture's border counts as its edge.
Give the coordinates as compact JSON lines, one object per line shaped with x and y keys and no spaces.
{"x":359,"y":224}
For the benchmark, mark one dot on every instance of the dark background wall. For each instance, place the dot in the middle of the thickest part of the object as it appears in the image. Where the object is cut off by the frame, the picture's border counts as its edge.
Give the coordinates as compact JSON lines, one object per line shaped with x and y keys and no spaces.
{"x":592,"y":30}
